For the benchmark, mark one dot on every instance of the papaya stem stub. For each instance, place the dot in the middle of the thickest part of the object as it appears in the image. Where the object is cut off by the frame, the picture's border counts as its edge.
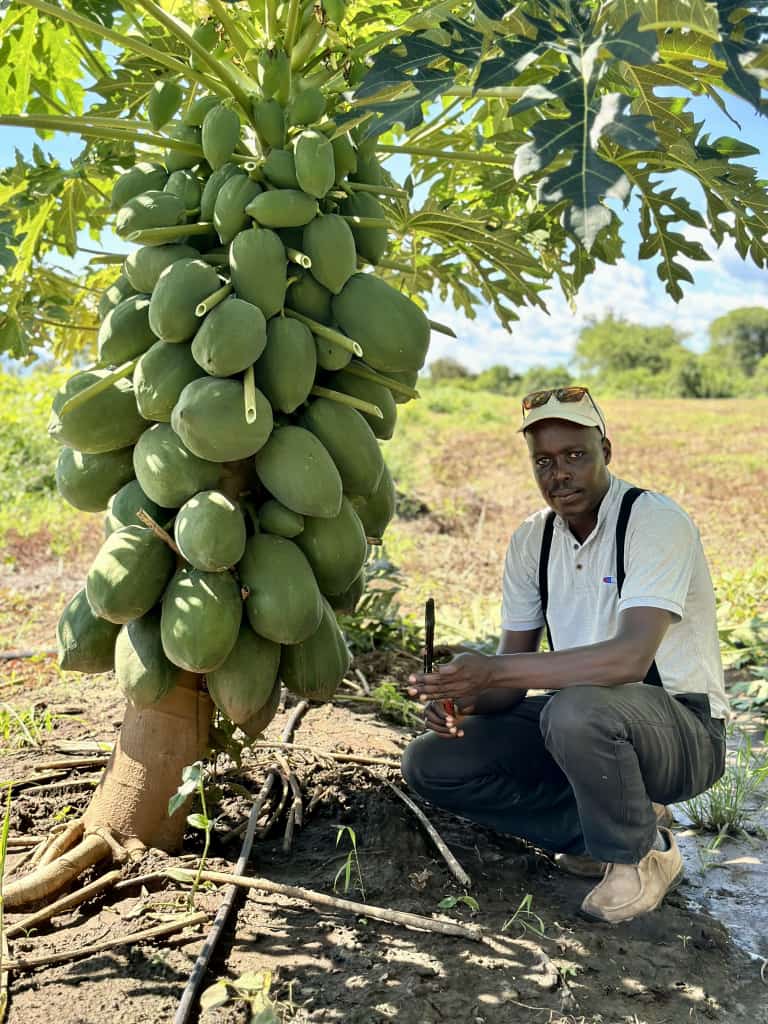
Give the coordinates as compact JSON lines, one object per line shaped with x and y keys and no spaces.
{"x":249,"y":387}
{"x":351,"y":400}
{"x":335,"y":337}
{"x":442,"y":328}
{"x":101,"y":385}
{"x":156,"y":236}
{"x":299,"y":258}
{"x":213,"y":300}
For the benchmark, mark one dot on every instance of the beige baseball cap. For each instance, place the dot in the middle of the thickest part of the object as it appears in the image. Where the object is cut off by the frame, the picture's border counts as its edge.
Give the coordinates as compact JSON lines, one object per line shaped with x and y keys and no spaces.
{"x":573,"y":403}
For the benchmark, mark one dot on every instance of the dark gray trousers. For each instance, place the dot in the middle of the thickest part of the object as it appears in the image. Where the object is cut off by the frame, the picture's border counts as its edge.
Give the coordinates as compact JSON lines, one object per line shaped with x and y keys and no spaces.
{"x":575,"y":771}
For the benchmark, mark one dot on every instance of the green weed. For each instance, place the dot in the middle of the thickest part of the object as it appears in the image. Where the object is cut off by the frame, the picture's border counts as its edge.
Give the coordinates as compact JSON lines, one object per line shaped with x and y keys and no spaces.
{"x":726,"y":808}
{"x":449,"y":902}
{"x":351,"y":865}
{"x":193,"y":781}
{"x":525,"y":919}
{"x":396,"y":707}
{"x":254,"y":989}
{"x":24,"y":728}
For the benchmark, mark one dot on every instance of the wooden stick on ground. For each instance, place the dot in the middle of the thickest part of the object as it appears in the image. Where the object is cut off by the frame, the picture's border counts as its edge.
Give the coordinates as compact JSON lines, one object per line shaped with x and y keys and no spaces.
{"x":65,"y":903}
{"x":204,"y":957}
{"x":455,"y":868}
{"x":72,"y":762}
{"x":31,"y":963}
{"x":331,"y":755}
{"x":320,"y":899}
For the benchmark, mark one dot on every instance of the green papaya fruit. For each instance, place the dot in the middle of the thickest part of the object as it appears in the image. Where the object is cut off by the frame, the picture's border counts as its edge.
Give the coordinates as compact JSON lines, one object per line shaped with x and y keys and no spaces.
{"x":308,"y":296}
{"x":128,"y":574}
{"x":210,"y":531}
{"x":315,"y":668}
{"x":274,"y":73}
{"x":307,"y":107}
{"x":160,"y":376}
{"x":349,"y":441}
{"x":269,"y":122}
{"x":164,"y":100}
{"x":283,"y":208}
{"x":105,"y":422}
{"x":179,"y":290}
{"x":149,"y":210}
{"x":344,"y":157}
{"x":166,"y":469}
{"x":335,"y":548}
{"x":125,"y":503}
{"x":125,"y":332}
{"x":276,"y":518}
{"x":369,"y":170}
{"x":143,"y":266}
{"x":209,"y":417}
{"x":392,"y":330}
{"x":195,"y":114}
{"x":220,"y":135}
{"x":187,"y":187}
{"x":283,"y":602}
{"x":200,"y":619}
{"x":142,"y":177}
{"x":260,"y":719}
{"x":330,"y":356}
{"x":371,"y":243}
{"x":376,"y":394}
{"x":180,"y":159}
{"x":286,"y":370}
{"x":243,"y":684}
{"x":88,"y":481}
{"x":231,"y":338}
{"x":86,"y":643}
{"x":377,"y":509}
{"x":259,"y":272}
{"x":346,"y":603}
{"x":280,"y":169}
{"x":143,"y":672}
{"x":329,"y":243}
{"x":315,"y":169}
{"x":207,"y":35}
{"x":297,"y":470}
{"x":213,"y":186}
{"x":408,"y":377}
{"x":121,"y":288}
{"x":229,"y":216}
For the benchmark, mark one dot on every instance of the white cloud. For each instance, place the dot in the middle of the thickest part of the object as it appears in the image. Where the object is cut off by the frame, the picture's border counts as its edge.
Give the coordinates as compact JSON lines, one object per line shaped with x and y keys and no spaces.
{"x":630,"y":290}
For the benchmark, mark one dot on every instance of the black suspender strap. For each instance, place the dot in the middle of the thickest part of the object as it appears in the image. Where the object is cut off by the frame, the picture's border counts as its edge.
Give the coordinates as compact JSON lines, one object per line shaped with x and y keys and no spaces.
{"x":630,"y":497}
{"x":546,"y":545}
{"x":652,"y":676}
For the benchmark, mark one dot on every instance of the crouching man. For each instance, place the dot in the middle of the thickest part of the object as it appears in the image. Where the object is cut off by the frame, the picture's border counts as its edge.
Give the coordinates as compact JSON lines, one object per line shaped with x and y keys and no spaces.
{"x":578,"y":749}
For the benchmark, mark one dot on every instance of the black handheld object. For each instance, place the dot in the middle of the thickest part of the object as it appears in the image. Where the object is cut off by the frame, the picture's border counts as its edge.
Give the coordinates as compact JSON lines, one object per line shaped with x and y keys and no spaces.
{"x":429,"y":634}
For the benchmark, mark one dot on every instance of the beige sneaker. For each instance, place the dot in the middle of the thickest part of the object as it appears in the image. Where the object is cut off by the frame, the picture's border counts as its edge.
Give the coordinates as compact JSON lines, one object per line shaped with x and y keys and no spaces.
{"x":585,"y":866}
{"x":628,"y":890}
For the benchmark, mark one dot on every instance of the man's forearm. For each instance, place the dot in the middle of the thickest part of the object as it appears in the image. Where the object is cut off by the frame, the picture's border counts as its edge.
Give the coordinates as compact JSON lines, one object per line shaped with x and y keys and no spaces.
{"x":609,"y":663}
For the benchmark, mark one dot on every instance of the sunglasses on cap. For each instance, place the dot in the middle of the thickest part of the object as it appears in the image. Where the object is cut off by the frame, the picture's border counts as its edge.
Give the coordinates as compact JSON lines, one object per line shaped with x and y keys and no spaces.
{"x":575,"y":393}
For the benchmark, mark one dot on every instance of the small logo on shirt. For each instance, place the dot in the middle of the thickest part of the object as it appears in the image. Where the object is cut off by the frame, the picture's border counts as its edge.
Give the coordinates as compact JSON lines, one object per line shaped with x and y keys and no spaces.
{"x":609,"y":579}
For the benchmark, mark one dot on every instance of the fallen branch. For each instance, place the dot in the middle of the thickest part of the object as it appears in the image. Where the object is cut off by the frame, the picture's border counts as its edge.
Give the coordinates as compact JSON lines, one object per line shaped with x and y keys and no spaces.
{"x":320,"y":899}
{"x":65,"y":903}
{"x":72,"y":762}
{"x":31,"y":963}
{"x":20,"y":655}
{"x":332,"y":755}
{"x":455,"y":868}
{"x":204,"y":957}
{"x":23,"y":842}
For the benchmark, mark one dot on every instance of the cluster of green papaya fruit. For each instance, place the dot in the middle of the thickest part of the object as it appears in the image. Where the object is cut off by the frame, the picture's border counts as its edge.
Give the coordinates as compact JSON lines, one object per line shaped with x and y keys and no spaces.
{"x":249,"y":363}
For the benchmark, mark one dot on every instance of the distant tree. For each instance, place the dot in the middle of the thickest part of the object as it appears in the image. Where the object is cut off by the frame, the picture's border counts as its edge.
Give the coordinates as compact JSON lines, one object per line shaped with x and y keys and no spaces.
{"x":538,"y":377}
{"x":742,"y":333}
{"x":614,"y":345}
{"x":498,"y":378}
{"x":447,"y":368}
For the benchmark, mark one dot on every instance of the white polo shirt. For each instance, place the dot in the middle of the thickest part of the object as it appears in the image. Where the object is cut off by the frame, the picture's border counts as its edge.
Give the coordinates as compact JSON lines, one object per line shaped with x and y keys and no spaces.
{"x":665,"y":568}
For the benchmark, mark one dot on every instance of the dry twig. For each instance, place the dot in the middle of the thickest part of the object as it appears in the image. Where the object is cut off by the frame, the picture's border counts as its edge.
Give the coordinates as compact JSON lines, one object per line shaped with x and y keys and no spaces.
{"x":31,"y":963}
{"x":65,"y":903}
{"x":331,"y":755}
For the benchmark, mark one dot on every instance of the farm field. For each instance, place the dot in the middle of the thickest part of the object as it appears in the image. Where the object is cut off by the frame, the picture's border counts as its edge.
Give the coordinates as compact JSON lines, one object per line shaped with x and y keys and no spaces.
{"x":465,"y":482}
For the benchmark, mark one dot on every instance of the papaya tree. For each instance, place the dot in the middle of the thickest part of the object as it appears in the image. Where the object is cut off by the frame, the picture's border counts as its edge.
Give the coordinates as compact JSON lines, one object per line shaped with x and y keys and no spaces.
{"x":248,"y":355}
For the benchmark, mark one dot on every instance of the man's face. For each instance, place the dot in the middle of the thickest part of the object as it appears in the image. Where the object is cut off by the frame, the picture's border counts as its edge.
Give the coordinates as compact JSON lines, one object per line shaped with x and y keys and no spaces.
{"x":569,"y":464}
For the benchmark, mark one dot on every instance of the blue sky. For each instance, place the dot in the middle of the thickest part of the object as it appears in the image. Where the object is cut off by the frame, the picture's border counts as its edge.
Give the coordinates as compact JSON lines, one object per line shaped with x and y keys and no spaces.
{"x":631,"y":289}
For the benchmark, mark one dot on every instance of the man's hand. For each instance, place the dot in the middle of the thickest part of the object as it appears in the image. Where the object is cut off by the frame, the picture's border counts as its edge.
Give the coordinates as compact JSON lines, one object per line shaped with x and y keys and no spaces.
{"x":441,"y":721}
{"x":467,"y":676}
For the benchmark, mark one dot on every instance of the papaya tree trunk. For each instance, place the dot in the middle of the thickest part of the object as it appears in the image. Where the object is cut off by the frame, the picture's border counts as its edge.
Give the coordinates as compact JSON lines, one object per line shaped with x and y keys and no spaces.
{"x":154,"y":745}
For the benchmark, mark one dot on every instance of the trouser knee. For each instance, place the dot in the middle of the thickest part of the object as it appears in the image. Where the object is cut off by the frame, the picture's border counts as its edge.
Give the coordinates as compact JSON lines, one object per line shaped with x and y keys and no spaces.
{"x":573,"y":717}
{"x":412,"y":765}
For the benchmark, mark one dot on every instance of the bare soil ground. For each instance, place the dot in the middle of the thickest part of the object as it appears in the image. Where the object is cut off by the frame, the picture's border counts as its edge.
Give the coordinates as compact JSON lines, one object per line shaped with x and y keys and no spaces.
{"x":546,"y":963}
